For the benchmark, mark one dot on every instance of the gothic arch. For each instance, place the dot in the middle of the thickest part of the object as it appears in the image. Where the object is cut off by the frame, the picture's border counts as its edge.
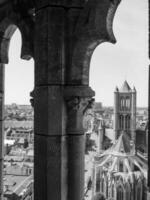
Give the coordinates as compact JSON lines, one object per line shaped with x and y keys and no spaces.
{"x":120,"y":192}
{"x":112,"y":191}
{"x":7,"y":29}
{"x":127,"y":191}
{"x":90,"y":32}
{"x":14,"y":15}
{"x":103,"y":185}
{"x":139,"y":190}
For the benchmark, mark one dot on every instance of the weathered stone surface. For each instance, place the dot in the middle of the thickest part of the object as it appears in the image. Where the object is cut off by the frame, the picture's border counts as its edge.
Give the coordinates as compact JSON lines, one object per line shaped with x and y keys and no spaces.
{"x":49,"y":46}
{"x":4,"y":50}
{"x":11,"y":18}
{"x":78,"y":99}
{"x":39,"y":4}
{"x":94,"y":26}
{"x":76,"y":167}
{"x":49,"y":109}
{"x":49,"y":155}
{"x":62,"y":41}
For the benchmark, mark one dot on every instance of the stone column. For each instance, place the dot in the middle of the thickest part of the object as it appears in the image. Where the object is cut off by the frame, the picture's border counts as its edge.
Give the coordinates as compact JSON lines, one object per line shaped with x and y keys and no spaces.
{"x":1,"y":127}
{"x":50,"y":160}
{"x":78,"y":99}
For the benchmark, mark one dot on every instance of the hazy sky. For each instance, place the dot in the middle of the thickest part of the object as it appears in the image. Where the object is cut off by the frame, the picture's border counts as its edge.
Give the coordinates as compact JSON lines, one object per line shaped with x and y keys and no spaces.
{"x":110,"y":64}
{"x":127,"y":59}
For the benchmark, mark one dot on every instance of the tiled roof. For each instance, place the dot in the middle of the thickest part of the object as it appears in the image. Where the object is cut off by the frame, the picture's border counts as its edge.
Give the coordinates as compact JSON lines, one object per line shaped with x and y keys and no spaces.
{"x":18,"y":124}
{"x":122,"y":145}
{"x":120,"y":159}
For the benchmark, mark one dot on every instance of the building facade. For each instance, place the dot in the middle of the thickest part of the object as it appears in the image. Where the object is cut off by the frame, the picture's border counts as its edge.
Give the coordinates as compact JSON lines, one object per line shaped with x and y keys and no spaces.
{"x":125,"y":111}
{"x":120,"y":173}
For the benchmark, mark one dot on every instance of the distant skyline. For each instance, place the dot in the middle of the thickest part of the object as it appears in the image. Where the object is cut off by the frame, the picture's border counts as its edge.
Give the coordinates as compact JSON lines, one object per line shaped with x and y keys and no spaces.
{"x":110,"y":65}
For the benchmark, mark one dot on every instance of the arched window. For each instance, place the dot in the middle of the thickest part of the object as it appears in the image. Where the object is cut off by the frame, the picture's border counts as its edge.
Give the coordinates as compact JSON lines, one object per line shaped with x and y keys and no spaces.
{"x":102,"y":186}
{"x":128,"y":103}
{"x":128,"y":122}
{"x":121,"y":166}
{"x":139,"y":191}
{"x":121,"y":122}
{"x":128,"y":192}
{"x":112,"y":191}
{"x":106,"y":188}
{"x":98,"y":180}
{"x":120,"y":195}
{"x":121,"y":103}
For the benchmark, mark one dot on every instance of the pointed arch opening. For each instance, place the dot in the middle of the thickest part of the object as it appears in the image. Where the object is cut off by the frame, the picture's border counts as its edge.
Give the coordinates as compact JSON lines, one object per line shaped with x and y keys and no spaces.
{"x":120,"y":192}
{"x":111,"y":65}
{"x":16,"y":113}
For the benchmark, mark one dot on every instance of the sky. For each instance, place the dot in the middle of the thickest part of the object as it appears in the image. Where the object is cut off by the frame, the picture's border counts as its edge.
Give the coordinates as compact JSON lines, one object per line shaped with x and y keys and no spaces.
{"x":110,"y":64}
{"x":127,"y":59}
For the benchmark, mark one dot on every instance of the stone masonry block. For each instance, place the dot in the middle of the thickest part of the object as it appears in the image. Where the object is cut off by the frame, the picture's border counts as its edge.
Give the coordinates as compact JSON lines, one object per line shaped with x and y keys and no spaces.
{"x":64,"y":3}
{"x":49,"y":46}
{"x":76,"y":151}
{"x":49,"y":110}
{"x":48,"y":167}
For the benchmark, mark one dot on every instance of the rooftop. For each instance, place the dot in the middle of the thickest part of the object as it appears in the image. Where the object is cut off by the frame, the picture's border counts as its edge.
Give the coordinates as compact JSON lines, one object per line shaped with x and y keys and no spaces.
{"x":125,"y":87}
{"x":16,"y":184}
{"x":18,"y":124}
{"x":121,"y":159}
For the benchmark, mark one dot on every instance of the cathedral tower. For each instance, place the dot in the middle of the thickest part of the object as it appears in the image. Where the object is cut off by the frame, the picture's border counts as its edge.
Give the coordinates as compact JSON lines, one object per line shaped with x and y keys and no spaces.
{"x":125,"y":111}
{"x":100,"y":136}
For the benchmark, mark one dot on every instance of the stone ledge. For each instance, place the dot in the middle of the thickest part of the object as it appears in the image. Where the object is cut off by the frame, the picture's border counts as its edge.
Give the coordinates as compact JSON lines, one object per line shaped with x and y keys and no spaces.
{"x":62,"y":3}
{"x":78,"y":91}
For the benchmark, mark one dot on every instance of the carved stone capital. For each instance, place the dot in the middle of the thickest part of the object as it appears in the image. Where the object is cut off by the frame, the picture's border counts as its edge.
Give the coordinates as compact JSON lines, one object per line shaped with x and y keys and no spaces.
{"x":80,"y":104}
{"x":78,"y":99}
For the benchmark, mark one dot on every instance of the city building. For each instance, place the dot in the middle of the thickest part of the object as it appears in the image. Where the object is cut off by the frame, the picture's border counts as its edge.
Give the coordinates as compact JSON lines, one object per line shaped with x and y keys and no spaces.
{"x":18,"y":187}
{"x":61,"y":36}
{"x":125,"y":111}
{"x":120,"y":172}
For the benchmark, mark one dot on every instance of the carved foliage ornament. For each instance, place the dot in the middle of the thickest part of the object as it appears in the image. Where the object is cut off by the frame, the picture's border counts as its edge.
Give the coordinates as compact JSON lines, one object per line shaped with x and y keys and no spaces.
{"x":79,"y":104}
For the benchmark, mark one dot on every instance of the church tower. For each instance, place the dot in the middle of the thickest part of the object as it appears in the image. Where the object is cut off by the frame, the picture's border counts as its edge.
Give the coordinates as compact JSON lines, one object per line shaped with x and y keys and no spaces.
{"x":125,"y":111}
